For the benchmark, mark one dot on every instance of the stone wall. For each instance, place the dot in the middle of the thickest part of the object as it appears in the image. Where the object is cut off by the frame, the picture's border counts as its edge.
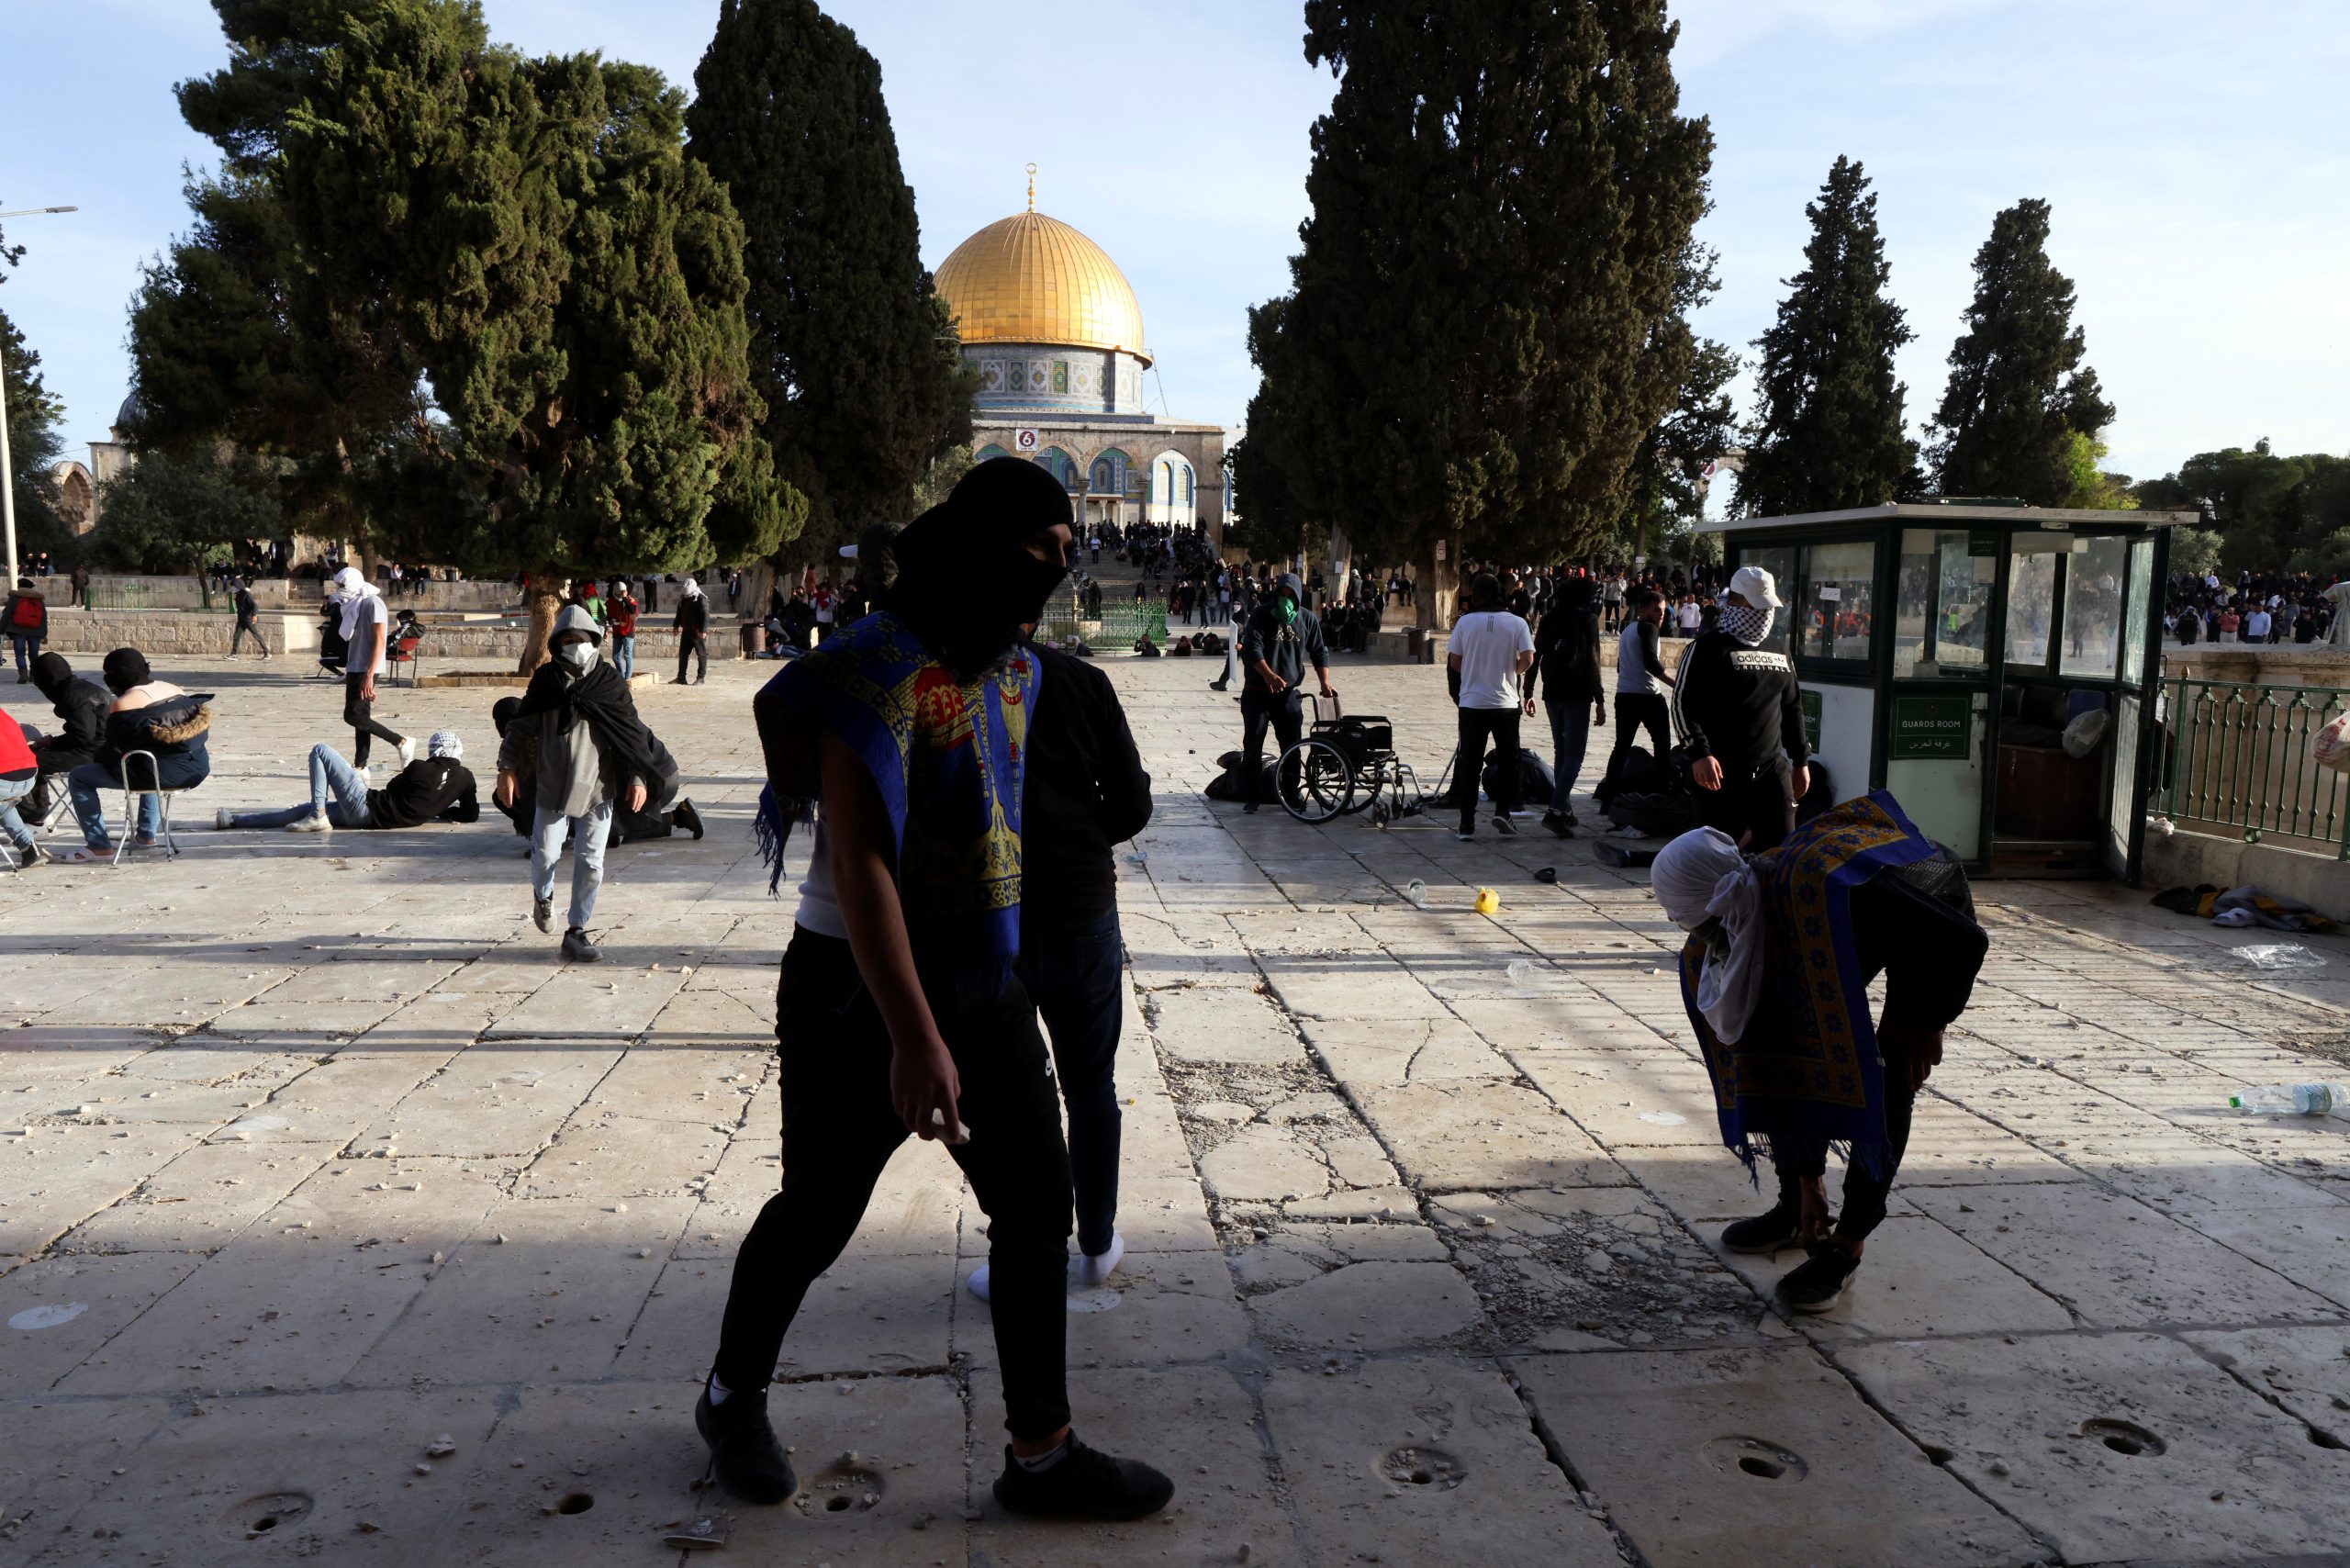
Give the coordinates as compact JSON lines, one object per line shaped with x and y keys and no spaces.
{"x":162,"y":634}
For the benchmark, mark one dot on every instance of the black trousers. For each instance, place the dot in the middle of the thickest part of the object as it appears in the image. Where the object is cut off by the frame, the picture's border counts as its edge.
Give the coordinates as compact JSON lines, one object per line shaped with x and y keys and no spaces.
{"x":245,"y":629}
{"x":693,"y":644}
{"x":359,"y":712}
{"x":1759,"y":800}
{"x":1478,"y":724}
{"x":839,"y":1130}
{"x":1258,"y":707}
{"x":1864,"y":1196}
{"x":1635,"y":710}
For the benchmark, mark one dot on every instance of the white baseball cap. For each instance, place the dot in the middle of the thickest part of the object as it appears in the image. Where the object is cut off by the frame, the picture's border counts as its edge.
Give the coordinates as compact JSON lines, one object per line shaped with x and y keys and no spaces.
{"x":1755,"y":585}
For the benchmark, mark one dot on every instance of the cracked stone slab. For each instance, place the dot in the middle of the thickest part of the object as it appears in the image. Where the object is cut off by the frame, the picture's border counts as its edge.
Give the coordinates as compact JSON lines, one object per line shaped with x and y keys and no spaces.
{"x":1390,"y":1053}
{"x":61,"y":1455}
{"x":1629,"y":1101}
{"x":1371,"y":1307}
{"x":2306,"y":1369}
{"x":2114,"y":1447}
{"x":507,"y":1098}
{"x":1762,"y":1456}
{"x":337,"y":1473}
{"x":1264,"y":1164}
{"x":203,"y":1199}
{"x":1916,"y":1278}
{"x":1159,"y":1308}
{"x":1352,"y":1444}
{"x":884,"y":1315}
{"x":1221,"y":1026}
{"x":60,"y":1310}
{"x":2116,"y":1261}
{"x":1450,"y":1137}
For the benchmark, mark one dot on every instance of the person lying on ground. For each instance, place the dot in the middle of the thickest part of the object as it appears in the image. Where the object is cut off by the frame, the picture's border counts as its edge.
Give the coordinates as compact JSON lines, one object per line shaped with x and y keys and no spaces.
{"x":435,"y":788}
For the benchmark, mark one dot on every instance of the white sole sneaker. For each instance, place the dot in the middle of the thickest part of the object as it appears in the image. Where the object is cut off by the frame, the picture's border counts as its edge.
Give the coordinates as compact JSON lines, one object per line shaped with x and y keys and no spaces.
{"x":1092,"y":1270}
{"x":314,"y":822}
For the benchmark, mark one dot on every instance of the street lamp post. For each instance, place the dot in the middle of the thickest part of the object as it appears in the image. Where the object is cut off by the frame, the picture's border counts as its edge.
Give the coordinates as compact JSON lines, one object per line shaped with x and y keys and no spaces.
{"x":7,"y":469}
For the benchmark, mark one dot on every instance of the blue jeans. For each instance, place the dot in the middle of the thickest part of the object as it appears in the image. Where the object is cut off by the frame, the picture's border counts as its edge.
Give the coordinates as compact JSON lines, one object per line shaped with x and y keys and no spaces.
{"x":11,"y":791}
{"x":1570,"y":738}
{"x":28,"y":650}
{"x":1072,"y":973}
{"x":83,"y":785}
{"x":625,"y":655}
{"x":588,"y":833}
{"x":337,"y":792}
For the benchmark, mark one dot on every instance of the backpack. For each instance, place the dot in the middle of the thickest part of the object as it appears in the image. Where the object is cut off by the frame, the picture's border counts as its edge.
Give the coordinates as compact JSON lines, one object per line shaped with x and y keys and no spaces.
{"x":32,"y":614}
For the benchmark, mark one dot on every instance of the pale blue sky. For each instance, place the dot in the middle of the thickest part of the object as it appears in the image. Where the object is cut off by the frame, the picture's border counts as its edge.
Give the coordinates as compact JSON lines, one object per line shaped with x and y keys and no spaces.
{"x":2195,"y":154}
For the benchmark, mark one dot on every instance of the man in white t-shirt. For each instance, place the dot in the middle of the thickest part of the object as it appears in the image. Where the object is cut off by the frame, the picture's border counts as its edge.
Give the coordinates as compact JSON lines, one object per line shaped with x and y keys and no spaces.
{"x":1490,"y":651}
{"x":366,"y":629}
{"x":2256,"y":626}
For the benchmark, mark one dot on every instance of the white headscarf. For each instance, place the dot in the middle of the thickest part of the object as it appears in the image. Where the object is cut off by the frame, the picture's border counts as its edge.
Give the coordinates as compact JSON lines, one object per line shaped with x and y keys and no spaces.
{"x":692,"y":587}
{"x":354,"y":590}
{"x":446,"y":742}
{"x":1701,"y":876}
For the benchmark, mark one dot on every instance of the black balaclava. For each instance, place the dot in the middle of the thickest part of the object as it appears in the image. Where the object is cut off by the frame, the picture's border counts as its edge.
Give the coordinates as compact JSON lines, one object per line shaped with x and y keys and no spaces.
{"x":965,"y":586}
{"x":503,"y":712}
{"x":876,"y":555}
{"x":52,"y":674}
{"x":1574,"y":593}
{"x":124,"y":668}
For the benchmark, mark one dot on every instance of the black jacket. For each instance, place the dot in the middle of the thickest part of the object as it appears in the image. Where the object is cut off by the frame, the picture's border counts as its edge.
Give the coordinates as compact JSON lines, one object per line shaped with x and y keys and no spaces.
{"x":1566,"y":651}
{"x":430,"y":789}
{"x":1085,"y":792}
{"x":693,"y":615}
{"x":1737,"y":704}
{"x":83,"y":706}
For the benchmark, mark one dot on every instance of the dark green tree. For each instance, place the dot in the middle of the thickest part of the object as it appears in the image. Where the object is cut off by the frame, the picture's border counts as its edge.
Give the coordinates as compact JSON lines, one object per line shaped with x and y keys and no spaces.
{"x":570,"y":283}
{"x":2268,"y":511}
{"x":236,"y":341}
{"x":2018,"y":392}
{"x":1827,"y":431}
{"x":852,"y":348}
{"x":170,"y":514}
{"x":1482,"y":328}
{"x":34,"y":445}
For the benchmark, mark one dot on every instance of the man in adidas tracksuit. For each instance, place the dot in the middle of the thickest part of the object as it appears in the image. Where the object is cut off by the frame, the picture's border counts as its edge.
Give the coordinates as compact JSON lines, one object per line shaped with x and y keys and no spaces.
{"x":1739,"y":711}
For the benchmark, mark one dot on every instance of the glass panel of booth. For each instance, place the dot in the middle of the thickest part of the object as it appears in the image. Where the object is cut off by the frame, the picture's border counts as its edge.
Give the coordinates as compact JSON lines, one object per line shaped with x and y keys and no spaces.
{"x":2031,"y":596}
{"x":1779,"y":560}
{"x":2093,"y":574}
{"x":2143,"y":590}
{"x":1941,"y":619}
{"x":1835,"y":612}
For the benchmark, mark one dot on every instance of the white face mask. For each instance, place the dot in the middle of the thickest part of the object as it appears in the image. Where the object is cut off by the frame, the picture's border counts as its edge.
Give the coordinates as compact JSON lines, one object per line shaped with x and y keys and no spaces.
{"x":580,"y":656}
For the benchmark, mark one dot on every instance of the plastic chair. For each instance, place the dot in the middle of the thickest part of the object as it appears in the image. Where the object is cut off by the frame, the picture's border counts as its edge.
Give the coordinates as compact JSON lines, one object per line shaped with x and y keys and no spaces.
{"x":130,"y":793}
{"x":403,"y":651}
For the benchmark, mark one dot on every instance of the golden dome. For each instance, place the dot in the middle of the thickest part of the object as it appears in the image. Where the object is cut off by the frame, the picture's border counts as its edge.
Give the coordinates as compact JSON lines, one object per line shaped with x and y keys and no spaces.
{"x":1034,"y":279}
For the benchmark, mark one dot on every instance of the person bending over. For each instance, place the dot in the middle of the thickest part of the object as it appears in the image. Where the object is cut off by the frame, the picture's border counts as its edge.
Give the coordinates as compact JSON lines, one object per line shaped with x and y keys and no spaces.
{"x":899,"y":1009}
{"x":435,"y":788}
{"x":1776,"y":974}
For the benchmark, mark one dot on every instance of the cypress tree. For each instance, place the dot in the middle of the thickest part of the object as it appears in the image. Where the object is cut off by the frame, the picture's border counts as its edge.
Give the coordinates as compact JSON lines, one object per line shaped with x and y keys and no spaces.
{"x":1666,"y":482}
{"x":852,"y":348}
{"x":570,"y":281}
{"x":1481,"y":327}
{"x":1827,"y":428}
{"x":2019,"y":393}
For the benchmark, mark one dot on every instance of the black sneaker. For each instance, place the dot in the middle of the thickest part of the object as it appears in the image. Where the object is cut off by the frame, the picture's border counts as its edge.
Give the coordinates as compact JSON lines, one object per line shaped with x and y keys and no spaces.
{"x":1504,"y":826}
{"x":1559,"y":822}
{"x":1763,"y":1233}
{"x":1250,"y":809}
{"x":576,"y":945}
{"x":1086,"y":1484}
{"x":686,"y":817}
{"x":743,"y":1453}
{"x":1818,"y":1284}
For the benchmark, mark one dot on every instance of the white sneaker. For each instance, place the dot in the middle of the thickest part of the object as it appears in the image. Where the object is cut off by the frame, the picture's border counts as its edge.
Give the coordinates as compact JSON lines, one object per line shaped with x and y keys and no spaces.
{"x":220,"y":823}
{"x":978,"y":1283}
{"x":314,"y":822}
{"x":1090,"y":1271}
{"x":408,"y":752}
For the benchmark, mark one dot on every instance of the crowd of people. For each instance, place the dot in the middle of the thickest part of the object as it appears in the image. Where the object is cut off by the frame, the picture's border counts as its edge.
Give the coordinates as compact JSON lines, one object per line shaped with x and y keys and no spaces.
{"x":2266,"y":608}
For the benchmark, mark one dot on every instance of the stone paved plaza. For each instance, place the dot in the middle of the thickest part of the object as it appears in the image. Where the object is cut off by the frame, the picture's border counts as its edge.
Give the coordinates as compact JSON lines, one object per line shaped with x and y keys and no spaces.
{"x":338,"y":1219}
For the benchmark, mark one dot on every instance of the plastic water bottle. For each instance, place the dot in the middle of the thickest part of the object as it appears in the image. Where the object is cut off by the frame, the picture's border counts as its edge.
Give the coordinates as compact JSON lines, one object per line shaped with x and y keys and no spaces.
{"x":1416,"y":894}
{"x":2293,"y":1099}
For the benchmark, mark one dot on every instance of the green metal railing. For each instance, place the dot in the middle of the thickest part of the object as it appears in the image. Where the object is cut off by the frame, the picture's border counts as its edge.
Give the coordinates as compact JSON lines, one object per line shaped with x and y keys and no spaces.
{"x":2244,"y":756}
{"x":1121,"y":625}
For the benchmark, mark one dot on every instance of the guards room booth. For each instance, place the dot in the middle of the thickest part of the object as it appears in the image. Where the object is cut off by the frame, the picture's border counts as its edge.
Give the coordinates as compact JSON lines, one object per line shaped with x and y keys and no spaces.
{"x":1947,"y":649}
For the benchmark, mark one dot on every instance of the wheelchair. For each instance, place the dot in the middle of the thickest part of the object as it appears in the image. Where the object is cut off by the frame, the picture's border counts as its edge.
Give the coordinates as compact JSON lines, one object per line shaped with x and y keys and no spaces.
{"x":1345,"y":765}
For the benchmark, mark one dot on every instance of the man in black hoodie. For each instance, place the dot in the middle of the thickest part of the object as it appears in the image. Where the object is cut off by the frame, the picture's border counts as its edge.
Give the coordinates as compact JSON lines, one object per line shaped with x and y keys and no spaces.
{"x":1279,"y":639}
{"x":83,"y":704}
{"x":1740,"y":714}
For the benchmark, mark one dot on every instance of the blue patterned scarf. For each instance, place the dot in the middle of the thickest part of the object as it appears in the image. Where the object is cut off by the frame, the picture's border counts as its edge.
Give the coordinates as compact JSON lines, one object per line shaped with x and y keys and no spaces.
{"x":1807,"y":1070}
{"x":949,"y":758}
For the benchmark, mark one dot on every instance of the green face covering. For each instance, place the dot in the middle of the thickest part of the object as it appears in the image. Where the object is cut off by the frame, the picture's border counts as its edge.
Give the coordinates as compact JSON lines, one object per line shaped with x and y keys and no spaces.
{"x":1285,"y":609}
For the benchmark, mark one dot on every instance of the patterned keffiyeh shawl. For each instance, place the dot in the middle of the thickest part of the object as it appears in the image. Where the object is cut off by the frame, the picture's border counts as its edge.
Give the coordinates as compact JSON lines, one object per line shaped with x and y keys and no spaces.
{"x":1807,"y":1068}
{"x":949,"y":758}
